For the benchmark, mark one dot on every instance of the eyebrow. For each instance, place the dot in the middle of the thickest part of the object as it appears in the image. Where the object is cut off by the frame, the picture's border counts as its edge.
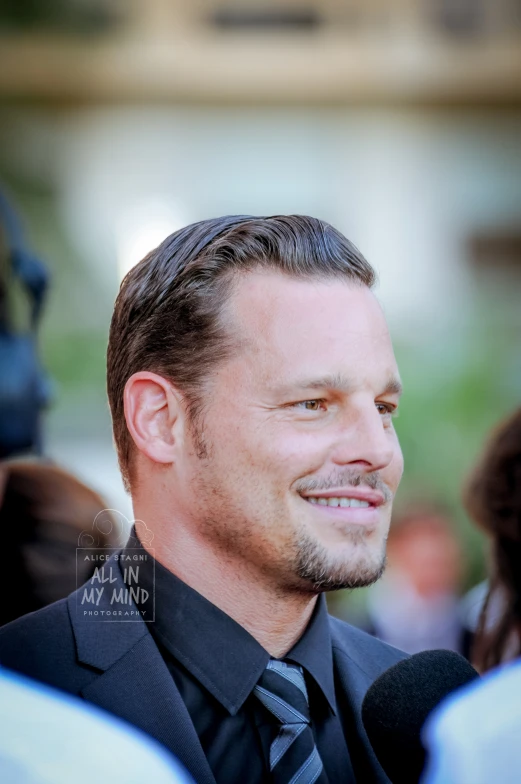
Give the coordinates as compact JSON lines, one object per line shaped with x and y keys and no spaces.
{"x":343,"y":384}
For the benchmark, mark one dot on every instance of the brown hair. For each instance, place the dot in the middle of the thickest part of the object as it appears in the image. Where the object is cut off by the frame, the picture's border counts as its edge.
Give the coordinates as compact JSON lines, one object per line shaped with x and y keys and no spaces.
{"x":43,"y":512}
{"x":168,"y":316}
{"x":492,"y":497}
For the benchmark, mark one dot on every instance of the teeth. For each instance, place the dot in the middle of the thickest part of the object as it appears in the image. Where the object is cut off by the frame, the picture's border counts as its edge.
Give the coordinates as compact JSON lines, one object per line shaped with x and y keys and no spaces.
{"x":352,"y":502}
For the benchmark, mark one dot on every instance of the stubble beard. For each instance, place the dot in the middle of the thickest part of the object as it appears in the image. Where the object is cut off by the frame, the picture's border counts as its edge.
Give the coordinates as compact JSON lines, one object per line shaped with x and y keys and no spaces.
{"x":312,"y":565}
{"x":315,"y":566}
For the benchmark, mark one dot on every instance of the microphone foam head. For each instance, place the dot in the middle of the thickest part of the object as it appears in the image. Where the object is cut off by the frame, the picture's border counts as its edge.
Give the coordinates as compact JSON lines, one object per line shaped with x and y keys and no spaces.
{"x":398,"y":702}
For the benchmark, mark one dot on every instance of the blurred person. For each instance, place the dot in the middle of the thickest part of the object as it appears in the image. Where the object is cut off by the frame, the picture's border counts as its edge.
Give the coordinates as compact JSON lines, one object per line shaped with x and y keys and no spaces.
{"x":471,"y":609}
{"x":43,"y":512}
{"x":252,"y":385}
{"x":492,"y":498}
{"x":474,"y":736}
{"x":47,"y":737}
{"x":24,"y":386}
{"x":415,"y":606}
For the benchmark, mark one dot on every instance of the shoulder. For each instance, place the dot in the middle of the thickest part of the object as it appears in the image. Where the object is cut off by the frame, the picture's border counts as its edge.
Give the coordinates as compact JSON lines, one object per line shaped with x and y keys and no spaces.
{"x":371,"y":654}
{"x":490,"y":706}
{"x":121,"y":752}
{"x":474,"y":734}
{"x":45,"y":626}
{"x":40,"y":645}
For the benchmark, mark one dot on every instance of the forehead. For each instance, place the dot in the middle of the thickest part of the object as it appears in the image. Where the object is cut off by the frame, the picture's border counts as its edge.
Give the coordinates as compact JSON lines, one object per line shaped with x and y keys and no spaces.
{"x":297,"y":325}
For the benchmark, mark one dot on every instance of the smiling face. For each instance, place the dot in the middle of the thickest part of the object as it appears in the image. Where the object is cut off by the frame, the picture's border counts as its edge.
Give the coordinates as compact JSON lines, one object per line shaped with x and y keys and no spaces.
{"x":300,"y":460}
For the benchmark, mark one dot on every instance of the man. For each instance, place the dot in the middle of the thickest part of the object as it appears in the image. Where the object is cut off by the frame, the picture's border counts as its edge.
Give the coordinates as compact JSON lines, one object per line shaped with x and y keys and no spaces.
{"x":252,"y":385}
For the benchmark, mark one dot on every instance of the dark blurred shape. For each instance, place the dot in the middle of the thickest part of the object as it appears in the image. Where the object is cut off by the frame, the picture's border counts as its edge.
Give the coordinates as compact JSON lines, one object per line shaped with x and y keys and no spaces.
{"x":23,"y":393}
{"x":24,"y":386}
{"x":492,"y":498}
{"x":70,"y":16}
{"x":459,"y":17}
{"x":267,"y":18}
{"x":43,"y":512}
{"x":398,"y":703}
{"x":415,"y":606}
{"x":515,"y":13}
{"x":501,"y":249}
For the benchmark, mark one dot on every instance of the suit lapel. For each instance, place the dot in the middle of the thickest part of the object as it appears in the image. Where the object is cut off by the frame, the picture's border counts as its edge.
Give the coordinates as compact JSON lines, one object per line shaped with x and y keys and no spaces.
{"x":354,"y":683}
{"x":135,"y":683}
{"x":141,"y":690}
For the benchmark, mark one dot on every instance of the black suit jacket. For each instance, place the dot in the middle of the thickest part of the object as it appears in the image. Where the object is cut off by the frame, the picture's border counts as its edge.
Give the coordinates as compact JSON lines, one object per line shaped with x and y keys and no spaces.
{"x":117,"y":666}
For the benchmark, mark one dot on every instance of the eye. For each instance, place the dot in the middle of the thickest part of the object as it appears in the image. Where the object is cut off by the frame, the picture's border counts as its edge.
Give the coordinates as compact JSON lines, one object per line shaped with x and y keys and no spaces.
{"x":309,"y":405}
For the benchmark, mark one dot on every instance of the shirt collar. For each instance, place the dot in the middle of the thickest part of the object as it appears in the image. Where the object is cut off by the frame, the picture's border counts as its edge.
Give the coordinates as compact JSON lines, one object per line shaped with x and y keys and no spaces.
{"x":218,"y":651}
{"x":313,"y":651}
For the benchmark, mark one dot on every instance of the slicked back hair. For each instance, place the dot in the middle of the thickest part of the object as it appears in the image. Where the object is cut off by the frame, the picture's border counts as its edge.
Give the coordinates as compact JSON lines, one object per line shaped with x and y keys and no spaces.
{"x":168,"y":316}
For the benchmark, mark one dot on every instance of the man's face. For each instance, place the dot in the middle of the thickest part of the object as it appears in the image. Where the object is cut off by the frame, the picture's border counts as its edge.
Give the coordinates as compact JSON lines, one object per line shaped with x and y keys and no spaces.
{"x":301,"y":460}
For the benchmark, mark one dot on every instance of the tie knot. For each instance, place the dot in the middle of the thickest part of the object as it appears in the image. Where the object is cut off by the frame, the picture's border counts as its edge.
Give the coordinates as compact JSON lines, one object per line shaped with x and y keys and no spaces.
{"x":282,"y":690}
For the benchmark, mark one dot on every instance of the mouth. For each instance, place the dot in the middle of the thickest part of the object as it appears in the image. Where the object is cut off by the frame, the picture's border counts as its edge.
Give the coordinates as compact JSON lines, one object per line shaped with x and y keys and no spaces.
{"x":350,"y":505}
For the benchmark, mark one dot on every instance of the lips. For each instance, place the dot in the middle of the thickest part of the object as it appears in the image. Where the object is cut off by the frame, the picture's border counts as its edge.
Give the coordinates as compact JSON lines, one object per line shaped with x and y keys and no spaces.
{"x":371,"y":497}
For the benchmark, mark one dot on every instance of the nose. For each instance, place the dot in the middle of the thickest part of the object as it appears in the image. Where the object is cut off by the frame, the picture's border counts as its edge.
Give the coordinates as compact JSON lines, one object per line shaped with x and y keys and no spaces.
{"x":363,"y":441}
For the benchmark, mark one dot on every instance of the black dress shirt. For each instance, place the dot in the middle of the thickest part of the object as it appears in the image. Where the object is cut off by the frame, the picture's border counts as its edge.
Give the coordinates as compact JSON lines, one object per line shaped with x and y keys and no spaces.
{"x":216,"y":663}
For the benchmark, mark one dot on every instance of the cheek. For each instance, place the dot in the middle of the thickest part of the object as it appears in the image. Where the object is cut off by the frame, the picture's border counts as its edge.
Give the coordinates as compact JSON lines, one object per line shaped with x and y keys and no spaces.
{"x":395,"y":469}
{"x":292,"y":455}
{"x":271,"y":447}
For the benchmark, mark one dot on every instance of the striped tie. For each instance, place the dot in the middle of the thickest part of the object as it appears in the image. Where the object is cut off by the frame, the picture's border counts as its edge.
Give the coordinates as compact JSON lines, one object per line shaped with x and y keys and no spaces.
{"x":294,"y":758}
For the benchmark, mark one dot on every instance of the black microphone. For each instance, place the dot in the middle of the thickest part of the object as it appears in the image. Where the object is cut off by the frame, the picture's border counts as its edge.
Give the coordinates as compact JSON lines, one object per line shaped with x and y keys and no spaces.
{"x":397,"y":704}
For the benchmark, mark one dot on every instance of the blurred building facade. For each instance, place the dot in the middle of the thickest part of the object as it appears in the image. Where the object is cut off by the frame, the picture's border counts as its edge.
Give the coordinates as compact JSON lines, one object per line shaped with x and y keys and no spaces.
{"x":398,"y":122}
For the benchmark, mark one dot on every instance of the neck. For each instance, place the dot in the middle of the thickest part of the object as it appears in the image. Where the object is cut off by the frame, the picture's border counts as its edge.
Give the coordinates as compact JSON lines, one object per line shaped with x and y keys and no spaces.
{"x":274,"y":617}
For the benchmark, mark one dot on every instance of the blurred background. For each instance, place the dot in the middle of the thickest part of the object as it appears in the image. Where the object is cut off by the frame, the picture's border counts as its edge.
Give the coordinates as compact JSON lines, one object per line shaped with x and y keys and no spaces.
{"x":399,"y":122}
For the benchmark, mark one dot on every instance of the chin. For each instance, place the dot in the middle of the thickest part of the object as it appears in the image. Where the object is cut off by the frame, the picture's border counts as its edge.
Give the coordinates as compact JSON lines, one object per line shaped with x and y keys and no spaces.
{"x":324,"y":568}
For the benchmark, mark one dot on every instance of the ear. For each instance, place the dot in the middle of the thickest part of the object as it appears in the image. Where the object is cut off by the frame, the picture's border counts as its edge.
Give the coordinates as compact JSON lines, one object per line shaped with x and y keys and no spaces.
{"x":153,"y":412}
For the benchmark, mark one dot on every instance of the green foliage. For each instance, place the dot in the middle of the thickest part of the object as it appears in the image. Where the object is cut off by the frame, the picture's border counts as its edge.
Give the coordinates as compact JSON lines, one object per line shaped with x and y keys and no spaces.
{"x":76,"y":360}
{"x":453,"y":396}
